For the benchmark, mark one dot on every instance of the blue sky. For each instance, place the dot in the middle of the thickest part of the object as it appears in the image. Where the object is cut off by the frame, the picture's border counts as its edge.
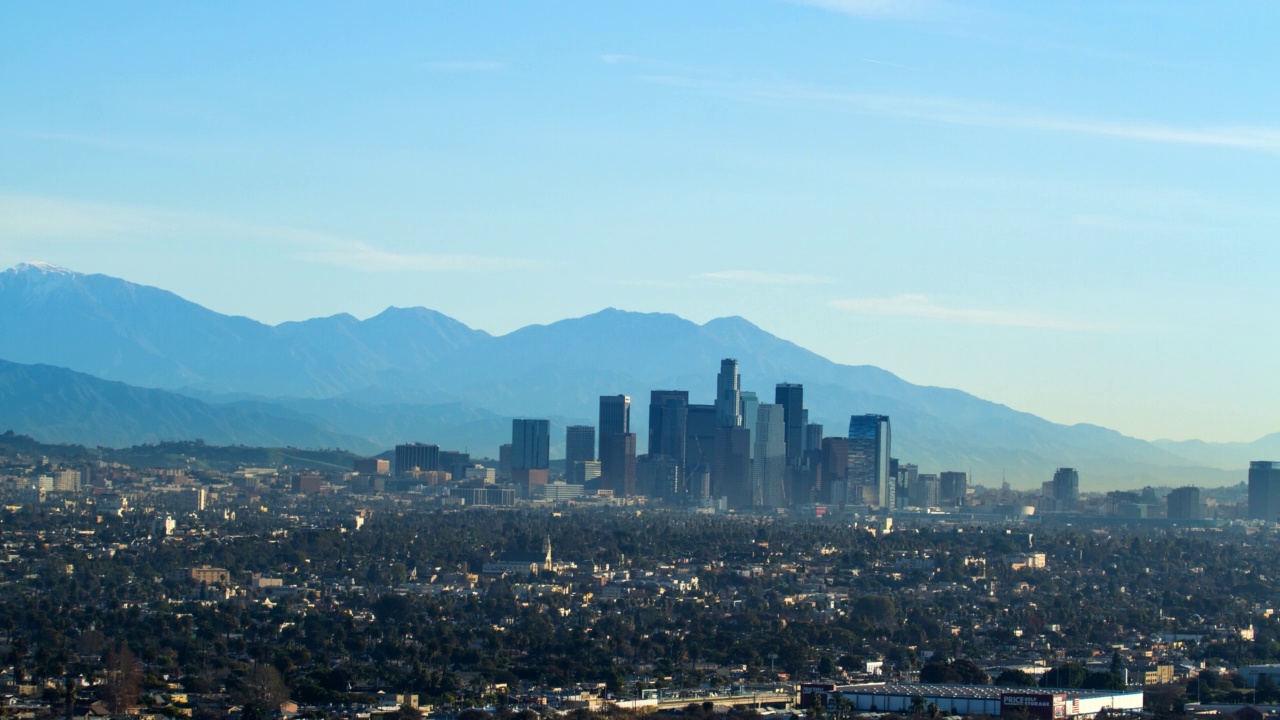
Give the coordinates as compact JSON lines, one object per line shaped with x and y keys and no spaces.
{"x":1069,"y":208}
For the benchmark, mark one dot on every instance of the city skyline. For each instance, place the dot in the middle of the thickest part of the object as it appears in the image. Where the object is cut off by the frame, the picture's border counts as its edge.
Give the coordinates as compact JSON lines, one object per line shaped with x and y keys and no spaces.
{"x":1063,"y":209}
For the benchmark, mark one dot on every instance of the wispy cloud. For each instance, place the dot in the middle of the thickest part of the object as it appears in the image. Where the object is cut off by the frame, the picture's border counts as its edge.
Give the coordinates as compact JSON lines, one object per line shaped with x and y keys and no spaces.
{"x":957,"y":111}
{"x":885,"y":9}
{"x":49,"y":219}
{"x":755,"y":277}
{"x":886,"y":63}
{"x":362,"y":257}
{"x":463,"y":65}
{"x":920,"y":306}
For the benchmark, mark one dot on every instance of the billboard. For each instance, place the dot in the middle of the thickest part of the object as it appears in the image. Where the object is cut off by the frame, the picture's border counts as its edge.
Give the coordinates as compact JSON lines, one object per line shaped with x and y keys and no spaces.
{"x":1044,"y":706}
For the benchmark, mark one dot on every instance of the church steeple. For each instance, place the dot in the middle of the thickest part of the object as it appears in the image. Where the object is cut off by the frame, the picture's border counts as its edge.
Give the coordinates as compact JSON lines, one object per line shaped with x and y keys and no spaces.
{"x":546,"y":546}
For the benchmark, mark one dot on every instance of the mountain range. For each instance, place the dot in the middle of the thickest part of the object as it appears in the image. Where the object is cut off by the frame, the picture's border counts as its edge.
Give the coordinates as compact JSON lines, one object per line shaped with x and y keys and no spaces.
{"x":102,"y":361}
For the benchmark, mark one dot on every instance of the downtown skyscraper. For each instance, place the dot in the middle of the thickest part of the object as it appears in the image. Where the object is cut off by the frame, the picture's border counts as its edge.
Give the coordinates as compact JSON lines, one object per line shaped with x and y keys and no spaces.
{"x":617,"y":445}
{"x":869,"y":452}
{"x":728,"y":395}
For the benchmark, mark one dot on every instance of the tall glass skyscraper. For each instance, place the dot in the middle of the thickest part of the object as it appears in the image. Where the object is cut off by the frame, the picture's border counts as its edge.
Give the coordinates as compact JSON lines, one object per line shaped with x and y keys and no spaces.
{"x":668,"y":424}
{"x":728,"y":395}
{"x":791,"y":397}
{"x":869,"y":448}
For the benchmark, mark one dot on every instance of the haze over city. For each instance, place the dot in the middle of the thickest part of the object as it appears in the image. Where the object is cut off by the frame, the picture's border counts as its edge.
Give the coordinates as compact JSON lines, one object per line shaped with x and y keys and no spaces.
{"x":1065,"y":209}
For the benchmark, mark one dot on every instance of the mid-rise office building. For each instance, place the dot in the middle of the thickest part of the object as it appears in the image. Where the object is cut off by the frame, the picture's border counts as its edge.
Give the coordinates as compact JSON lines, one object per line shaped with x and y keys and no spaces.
{"x":1264,"y":490}
{"x":924,"y":491}
{"x":953,"y":487}
{"x":658,"y":476}
{"x":1065,"y":489}
{"x":582,"y":472}
{"x":371,"y":466}
{"x":1184,"y":504}
{"x":579,"y":444}
{"x":417,"y":456}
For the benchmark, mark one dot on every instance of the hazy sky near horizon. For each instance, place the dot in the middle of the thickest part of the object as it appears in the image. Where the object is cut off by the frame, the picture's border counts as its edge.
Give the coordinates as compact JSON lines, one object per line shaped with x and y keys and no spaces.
{"x":1069,"y":208}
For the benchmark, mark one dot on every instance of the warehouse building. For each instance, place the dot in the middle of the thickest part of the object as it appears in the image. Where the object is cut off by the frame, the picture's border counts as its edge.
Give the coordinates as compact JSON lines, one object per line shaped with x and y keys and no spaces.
{"x":1038,"y":703}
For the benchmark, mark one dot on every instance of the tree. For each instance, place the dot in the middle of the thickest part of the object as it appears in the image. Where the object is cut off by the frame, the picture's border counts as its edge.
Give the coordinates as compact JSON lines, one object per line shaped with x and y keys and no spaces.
{"x":1103,"y":681}
{"x":123,"y":679}
{"x":260,"y":691}
{"x":1070,"y":675}
{"x":1015,"y":678}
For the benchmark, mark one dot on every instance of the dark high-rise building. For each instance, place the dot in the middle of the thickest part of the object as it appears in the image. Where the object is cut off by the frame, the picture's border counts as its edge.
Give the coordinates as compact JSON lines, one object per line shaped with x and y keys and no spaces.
{"x":417,"y":456}
{"x":506,"y":455}
{"x":658,"y":476}
{"x":455,"y":463}
{"x":1184,"y":504}
{"x":530,"y":444}
{"x":905,"y":475}
{"x":924,"y":491}
{"x":731,"y":468}
{"x":1066,"y":488}
{"x":700,"y":440}
{"x":579,"y":445}
{"x":530,"y":453}
{"x":728,"y":395}
{"x":952,"y":488}
{"x":791,"y":397}
{"x":835,"y":470}
{"x":669,"y":424}
{"x":869,"y":448}
{"x":1264,"y":490}
{"x":618,"y":463}
{"x":615,"y":417}
{"x":813,"y":436}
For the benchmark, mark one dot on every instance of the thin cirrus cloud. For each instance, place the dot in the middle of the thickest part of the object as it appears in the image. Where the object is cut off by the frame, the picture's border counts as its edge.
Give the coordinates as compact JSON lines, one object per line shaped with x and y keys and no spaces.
{"x":893,"y":9}
{"x":755,"y":277}
{"x":39,"y":219}
{"x":362,"y":257}
{"x":959,"y":111}
{"x":920,"y":306}
{"x":463,"y":65}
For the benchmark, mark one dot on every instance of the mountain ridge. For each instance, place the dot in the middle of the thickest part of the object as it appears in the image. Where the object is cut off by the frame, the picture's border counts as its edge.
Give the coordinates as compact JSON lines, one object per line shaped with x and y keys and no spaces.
{"x":416,"y":357}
